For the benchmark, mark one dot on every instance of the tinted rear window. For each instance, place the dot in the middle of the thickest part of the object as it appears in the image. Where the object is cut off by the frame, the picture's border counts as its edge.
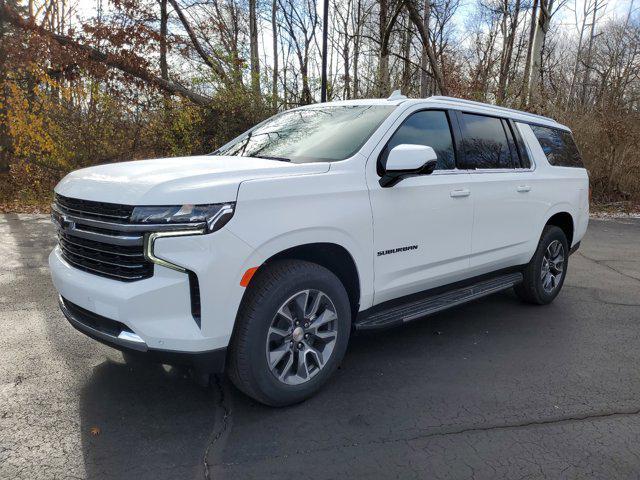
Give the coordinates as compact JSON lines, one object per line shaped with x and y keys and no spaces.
{"x":485,"y":143}
{"x":558,"y":146}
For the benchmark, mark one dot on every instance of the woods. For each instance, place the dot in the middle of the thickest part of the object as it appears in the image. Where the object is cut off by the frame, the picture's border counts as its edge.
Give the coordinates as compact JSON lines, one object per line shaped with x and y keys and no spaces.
{"x":97,"y":81}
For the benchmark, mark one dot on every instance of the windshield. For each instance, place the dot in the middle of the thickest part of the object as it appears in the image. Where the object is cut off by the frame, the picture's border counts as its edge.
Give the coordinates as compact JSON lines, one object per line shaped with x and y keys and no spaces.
{"x":318,"y":134}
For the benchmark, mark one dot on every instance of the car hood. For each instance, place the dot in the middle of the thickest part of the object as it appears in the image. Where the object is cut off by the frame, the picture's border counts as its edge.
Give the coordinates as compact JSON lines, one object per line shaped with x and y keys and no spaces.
{"x":172,"y":181}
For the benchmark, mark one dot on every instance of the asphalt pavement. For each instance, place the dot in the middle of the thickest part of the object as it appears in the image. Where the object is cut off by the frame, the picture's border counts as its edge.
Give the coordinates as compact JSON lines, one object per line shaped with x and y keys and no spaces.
{"x":494,"y":389}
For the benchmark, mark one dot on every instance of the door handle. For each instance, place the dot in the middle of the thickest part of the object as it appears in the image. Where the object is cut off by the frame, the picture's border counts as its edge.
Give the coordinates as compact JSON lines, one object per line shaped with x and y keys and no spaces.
{"x":462,"y":192}
{"x":523,"y":188}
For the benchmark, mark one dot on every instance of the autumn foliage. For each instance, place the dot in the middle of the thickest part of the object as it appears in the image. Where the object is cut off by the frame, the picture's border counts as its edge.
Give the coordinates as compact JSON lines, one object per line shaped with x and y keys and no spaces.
{"x":152,"y":78}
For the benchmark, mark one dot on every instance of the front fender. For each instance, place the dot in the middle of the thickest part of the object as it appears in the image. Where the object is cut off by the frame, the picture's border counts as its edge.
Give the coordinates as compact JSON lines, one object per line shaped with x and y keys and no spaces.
{"x":304,"y":236}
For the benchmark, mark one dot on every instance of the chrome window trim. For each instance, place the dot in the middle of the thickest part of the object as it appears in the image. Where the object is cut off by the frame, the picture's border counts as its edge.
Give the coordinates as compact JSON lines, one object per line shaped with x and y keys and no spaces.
{"x":532,"y":168}
{"x":499,"y":170}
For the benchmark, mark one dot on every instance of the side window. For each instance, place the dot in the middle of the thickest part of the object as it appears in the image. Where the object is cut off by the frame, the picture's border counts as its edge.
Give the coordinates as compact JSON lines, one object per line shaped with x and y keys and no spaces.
{"x":429,"y":128}
{"x":558,"y":146}
{"x":486,"y":143}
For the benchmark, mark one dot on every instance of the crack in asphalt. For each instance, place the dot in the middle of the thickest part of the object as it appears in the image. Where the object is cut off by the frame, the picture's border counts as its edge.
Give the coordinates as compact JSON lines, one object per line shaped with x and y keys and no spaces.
{"x":463,"y":431}
{"x":599,"y":300}
{"x":223,"y":422}
{"x":602,"y":263}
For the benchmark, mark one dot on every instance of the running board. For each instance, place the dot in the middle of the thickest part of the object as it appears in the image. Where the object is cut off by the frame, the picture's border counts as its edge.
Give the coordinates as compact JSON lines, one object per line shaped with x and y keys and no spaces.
{"x":406,"y":312}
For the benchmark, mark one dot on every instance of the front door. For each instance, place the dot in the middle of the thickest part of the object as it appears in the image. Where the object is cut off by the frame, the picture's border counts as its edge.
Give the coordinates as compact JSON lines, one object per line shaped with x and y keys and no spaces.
{"x":422,"y":226}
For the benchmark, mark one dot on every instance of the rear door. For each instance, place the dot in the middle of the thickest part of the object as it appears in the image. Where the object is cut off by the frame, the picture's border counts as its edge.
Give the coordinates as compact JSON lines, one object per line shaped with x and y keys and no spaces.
{"x":504,"y":191}
{"x":422,"y":225}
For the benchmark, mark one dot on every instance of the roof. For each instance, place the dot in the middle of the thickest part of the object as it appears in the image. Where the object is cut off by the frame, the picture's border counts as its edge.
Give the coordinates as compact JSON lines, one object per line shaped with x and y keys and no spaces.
{"x":454,"y":103}
{"x":486,"y":107}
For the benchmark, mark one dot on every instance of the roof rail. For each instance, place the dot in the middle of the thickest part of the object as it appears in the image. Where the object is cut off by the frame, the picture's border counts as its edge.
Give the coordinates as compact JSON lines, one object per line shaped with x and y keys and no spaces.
{"x":461,"y":101}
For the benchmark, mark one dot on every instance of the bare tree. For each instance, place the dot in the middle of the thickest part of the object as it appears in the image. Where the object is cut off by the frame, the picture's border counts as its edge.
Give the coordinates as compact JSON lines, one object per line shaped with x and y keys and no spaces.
{"x":301,"y":22}
{"x":253,"y":45}
{"x":274,"y":28}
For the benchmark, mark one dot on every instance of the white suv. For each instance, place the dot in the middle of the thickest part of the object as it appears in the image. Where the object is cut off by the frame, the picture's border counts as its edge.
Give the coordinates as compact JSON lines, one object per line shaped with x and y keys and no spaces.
{"x":262,"y":258}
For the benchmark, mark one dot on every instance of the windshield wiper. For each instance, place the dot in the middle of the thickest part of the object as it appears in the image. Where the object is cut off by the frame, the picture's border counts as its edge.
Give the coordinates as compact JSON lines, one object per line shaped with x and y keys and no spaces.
{"x":267,"y":157}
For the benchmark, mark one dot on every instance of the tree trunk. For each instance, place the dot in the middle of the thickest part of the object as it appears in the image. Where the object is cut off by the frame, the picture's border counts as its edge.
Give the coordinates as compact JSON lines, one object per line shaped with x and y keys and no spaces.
{"x":418,"y":21}
{"x":274,"y":27}
{"x":356,"y":50}
{"x":588,"y":59}
{"x":425,"y":81}
{"x":347,"y":67}
{"x":5,"y":139}
{"x":164,"y":72}
{"x":527,"y":62}
{"x":505,"y":64}
{"x":576,"y":65}
{"x":542,"y":26}
{"x":305,"y":96}
{"x":406,"y":64}
{"x":383,"y":62}
{"x":253,"y":46}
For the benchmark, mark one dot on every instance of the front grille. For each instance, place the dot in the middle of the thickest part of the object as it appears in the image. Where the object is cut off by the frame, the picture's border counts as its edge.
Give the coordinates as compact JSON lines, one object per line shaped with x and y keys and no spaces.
{"x":109,"y":212}
{"x":96,"y":237}
{"x":113,"y":261}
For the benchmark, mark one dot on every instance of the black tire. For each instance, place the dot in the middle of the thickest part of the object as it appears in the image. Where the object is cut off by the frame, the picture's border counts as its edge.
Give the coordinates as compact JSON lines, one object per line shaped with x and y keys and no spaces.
{"x":269,"y":289}
{"x":531,"y":290}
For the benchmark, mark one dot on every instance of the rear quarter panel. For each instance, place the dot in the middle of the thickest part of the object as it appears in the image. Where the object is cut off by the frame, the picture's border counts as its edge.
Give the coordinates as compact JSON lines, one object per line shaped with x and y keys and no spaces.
{"x":559,"y":189}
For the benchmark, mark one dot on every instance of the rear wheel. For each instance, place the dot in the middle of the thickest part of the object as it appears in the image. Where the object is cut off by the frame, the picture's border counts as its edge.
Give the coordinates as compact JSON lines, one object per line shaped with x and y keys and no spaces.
{"x":545,"y":273}
{"x":291,"y":334}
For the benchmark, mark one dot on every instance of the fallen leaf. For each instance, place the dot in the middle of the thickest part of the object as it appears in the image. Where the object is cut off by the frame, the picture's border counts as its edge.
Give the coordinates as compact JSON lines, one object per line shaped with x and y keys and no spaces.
{"x":95,"y":431}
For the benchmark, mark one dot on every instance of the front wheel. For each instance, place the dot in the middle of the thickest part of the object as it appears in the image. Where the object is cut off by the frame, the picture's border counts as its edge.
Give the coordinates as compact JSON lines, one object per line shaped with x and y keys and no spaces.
{"x":291,"y":334}
{"x":545,"y":273}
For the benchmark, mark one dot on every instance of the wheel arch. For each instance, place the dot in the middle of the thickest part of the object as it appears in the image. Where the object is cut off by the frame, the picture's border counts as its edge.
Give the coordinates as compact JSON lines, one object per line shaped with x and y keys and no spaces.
{"x":333,"y":257}
{"x":563,"y":220}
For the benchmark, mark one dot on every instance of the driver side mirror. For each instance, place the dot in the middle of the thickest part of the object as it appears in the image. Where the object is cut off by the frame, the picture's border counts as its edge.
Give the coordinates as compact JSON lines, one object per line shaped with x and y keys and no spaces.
{"x":408,"y":160}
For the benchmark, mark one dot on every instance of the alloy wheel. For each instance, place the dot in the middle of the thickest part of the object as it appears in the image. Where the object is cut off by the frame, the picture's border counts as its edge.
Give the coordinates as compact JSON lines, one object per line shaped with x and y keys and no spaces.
{"x":552,"y":266}
{"x":302,"y":337}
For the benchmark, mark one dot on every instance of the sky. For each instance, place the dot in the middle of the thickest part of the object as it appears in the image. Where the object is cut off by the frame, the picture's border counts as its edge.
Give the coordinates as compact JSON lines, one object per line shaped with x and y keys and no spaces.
{"x":615,"y":8}
{"x":564,"y":21}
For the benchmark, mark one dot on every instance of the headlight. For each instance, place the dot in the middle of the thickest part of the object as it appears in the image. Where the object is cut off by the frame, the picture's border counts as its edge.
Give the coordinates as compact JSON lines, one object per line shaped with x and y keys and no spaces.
{"x":215,"y":215}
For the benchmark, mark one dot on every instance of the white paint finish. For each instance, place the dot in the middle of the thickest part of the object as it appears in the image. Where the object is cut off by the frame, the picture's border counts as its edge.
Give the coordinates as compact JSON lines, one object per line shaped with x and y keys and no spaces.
{"x":505,"y":221}
{"x":464,"y":223}
{"x":562,"y":188}
{"x":276,"y":214}
{"x":219,"y":260}
{"x":174,"y":181}
{"x":420,"y":211}
{"x":157,"y":309}
{"x":409,"y":157}
{"x":430,"y":211}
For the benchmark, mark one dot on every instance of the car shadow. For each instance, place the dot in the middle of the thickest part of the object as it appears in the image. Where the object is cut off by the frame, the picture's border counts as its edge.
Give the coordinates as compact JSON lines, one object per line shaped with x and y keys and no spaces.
{"x":138,"y":420}
{"x":437,"y":374}
{"x":144,"y":421}
{"x":425,"y":375}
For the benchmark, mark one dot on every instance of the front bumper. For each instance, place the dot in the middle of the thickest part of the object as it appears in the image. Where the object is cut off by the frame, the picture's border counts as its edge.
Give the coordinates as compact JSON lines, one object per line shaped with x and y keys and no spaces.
{"x":117,"y":335}
{"x":159,"y":309}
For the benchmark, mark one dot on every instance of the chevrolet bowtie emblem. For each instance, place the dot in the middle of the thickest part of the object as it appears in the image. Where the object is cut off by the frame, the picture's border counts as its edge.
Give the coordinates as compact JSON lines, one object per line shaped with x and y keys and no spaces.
{"x":63,"y":222}
{"x":67,"y":224}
